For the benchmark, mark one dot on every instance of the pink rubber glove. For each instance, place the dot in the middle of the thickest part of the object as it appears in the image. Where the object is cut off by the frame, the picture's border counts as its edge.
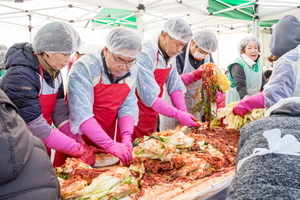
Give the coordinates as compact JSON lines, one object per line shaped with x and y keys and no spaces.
{"x":193,"y":76}
{"x":177,"y":98}
{"x":92,"y":129}
{"x":162,"y":107}
{"x":220,"y":100}
{"x":248,"y":103}
{"x":67,"y":130}
{"x":126,"y":125}
{"x":60,"y":142}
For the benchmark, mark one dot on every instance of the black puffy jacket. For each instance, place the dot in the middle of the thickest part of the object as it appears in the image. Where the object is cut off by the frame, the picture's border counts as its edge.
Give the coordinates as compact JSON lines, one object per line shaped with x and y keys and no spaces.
{"x":21,"y":81}
{"x":25,"y":168}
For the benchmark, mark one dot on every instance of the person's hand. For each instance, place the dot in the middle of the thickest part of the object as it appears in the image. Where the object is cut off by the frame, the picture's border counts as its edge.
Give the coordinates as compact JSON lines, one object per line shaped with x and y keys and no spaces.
{"x":248,"y":103}
{"x":198,"y":73}
{"x":87,"y":156}
{"x":186,"y":119}
{"x":121,"y":151}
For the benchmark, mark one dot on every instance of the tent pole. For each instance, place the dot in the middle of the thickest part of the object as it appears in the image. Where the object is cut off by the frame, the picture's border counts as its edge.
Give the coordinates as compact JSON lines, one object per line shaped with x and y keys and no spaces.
{"x":139,"y":18}
{"x":256,"y":28}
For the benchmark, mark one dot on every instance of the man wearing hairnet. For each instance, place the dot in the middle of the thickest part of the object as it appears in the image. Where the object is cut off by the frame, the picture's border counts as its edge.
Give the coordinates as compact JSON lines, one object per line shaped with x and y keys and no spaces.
{"x":33,"y":82}
{"x":246,"y":73}
{"x":195,"y":53}
{"x":101,"y":94}
{"x":285,"y":79}
{"x":3,"y":50}
{"x":156,"y":67}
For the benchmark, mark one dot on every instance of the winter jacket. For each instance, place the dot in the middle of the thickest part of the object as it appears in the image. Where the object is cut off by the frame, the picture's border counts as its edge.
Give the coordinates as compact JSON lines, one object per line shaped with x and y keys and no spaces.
{"x":22,"y":85}
{"x":25,"y":168}
{"x":269,"y":176}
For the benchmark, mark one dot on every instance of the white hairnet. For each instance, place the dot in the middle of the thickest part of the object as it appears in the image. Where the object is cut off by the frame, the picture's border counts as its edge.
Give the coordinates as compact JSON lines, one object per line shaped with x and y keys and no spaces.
{"x":3,"y":47}
{"x":58,"y":37}
{"x":178,"y":29}
{"x":123,"y":41}
{"x":247,"y":40}
{"x":206,"y":40}
{"x":2,"y":58}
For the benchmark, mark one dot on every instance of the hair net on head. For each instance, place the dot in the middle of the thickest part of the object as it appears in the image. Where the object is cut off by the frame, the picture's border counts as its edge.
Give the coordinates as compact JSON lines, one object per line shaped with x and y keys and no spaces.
{"x":124,"y":41}
{"x":58,"y":37}
{"x":2,"y":58}
{"x":247,"y":40}
{"x":206,"y":40}
{"x":3,"y":47}
{"x":286,"y":35}
{"x":178,"y":29}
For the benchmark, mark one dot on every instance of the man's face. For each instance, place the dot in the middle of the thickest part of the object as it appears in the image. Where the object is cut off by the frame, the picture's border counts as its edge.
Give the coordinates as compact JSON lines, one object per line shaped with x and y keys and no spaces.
{"x":117,"y":64}
{"x":197,"y":52}
{"x":171,"y":46}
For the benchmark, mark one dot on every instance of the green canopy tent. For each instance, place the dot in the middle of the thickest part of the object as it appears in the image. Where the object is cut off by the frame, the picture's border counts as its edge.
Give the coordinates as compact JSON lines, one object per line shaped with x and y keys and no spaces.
{"x":261,"y":13}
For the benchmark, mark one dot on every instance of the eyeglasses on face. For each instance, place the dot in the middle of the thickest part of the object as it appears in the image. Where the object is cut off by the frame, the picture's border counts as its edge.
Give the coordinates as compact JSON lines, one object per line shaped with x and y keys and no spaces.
{"x":123,"y":62}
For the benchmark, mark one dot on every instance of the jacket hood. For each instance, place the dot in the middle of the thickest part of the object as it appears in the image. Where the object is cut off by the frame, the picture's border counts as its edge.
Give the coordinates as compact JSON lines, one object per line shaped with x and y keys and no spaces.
{"x":285,"y":36}
{"x":21,"y":54}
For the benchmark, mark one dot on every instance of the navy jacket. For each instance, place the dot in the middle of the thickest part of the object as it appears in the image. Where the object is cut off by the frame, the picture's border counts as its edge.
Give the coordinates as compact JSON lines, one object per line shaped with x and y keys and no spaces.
{"x":21,"y":82}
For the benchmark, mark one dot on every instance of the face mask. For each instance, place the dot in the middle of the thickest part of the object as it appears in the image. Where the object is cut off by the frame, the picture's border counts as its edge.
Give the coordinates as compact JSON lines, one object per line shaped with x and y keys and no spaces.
{"x":199,"y":56}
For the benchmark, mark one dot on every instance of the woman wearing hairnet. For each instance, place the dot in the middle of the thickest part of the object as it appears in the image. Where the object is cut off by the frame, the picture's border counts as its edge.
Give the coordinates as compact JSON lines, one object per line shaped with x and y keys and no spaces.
{"x":101,"y":93}
{"x":33,"y":82}
{"x":156,"y":67}
{"x":246,"y":74}
{"x":3,"y":50}
{"x":285,"y":79}
{"x":195,"y":53}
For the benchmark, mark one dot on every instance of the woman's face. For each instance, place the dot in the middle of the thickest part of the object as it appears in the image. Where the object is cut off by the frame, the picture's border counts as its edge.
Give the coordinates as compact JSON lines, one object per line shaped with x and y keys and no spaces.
{"x":57,"y":61}
{"x":252,"y":50}
{"x":117,"y":64}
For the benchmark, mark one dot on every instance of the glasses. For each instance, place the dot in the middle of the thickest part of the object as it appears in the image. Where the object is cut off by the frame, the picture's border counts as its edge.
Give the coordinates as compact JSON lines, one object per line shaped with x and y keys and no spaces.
{"x":123,"y":62}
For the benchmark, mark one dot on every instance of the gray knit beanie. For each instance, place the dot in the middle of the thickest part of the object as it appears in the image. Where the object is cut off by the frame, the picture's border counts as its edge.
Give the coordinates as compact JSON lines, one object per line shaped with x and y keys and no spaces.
{"x":286,"y":35}
{"x":56,"y":37}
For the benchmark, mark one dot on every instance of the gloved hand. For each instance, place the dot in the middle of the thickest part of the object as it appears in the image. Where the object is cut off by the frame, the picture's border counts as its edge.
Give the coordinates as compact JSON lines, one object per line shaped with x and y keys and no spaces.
{"x":126,"y":125}
{"x":177,"y":98}
{"x":60,"y":142}
{"x":249,"y":103}
{"x":193,"y":76}
{"x":121,"y":151}
{"x":162,"y":107}
{"x":92,"y":129}
{"x":220,"y":100}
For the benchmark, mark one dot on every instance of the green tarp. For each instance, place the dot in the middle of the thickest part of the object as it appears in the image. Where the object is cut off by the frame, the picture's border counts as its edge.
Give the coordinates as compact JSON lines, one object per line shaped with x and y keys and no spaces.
{"x":116,"y":17}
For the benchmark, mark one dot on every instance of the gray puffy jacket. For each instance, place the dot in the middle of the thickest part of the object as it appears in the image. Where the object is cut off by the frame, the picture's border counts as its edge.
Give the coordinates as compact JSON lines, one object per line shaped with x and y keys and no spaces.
{"x":25,"y":168}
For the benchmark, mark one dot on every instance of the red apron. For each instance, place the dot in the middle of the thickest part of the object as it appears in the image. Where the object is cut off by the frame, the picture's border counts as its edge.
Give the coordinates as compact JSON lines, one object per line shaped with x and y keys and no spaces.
{"x":107,"y":100}
{"x":48,"y":102}
{"x":147,"y":116}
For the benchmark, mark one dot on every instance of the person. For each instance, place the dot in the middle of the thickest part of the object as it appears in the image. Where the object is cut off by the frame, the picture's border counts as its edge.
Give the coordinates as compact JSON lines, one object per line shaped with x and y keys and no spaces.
{"x":26,"y":170}
{"x":156,"y":67}
{"x":267,"y":74}
{"x":269,"y":155}
{"x":3,"y":50}
{"x":33,"y":82}
{"x":83,"y":49}
{"x":246,"y":73}
{"x":195,"y":53}
{"x":101,"y":94}
{"x":285,"y":79}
